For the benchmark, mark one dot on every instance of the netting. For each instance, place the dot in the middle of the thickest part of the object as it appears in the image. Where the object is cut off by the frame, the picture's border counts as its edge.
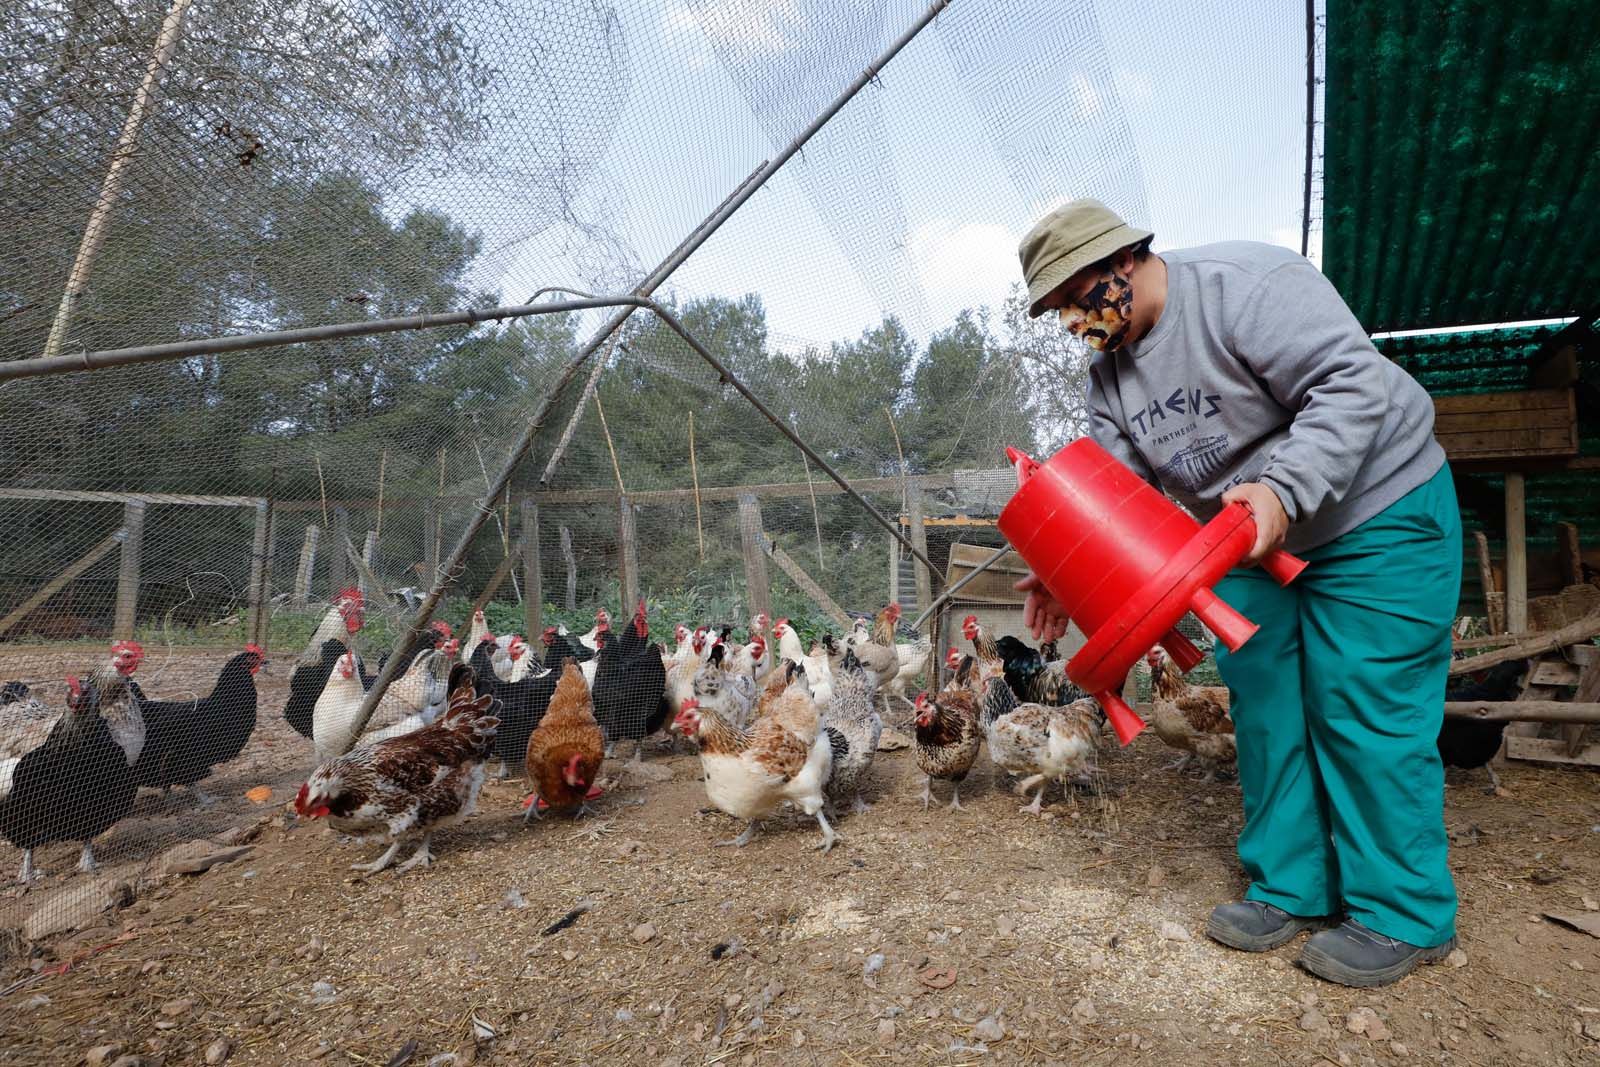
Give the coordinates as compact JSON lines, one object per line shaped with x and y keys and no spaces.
{"x":178,"y":170}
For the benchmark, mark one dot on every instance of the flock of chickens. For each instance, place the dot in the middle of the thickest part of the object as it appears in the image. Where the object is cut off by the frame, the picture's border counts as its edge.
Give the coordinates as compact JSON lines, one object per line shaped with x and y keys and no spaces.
{"x":775,"y":725}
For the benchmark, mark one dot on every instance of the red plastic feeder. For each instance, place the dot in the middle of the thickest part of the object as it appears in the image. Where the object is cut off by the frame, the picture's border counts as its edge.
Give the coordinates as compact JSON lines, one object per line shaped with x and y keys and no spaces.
{"x":1127,"y":564}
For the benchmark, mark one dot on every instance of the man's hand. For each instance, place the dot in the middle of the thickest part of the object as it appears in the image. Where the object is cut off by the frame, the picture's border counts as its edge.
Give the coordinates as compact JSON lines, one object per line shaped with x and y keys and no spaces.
{"x":1042,"y":613}
{"x":1272,"y":522}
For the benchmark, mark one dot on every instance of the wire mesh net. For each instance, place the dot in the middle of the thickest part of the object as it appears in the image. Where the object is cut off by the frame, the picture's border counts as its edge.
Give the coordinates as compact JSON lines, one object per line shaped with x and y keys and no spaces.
{"x":178,"y":170}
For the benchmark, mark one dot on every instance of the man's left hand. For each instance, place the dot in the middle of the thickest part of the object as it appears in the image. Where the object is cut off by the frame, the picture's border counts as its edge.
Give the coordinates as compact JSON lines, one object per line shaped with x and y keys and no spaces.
{"x":1272,"y":522}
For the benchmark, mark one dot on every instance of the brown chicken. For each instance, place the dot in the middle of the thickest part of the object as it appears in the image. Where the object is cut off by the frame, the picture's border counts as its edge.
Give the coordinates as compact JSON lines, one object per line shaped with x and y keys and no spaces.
{"x":949,"y":732}
{"x":1192,"y":719}
{"x":565,"y":750}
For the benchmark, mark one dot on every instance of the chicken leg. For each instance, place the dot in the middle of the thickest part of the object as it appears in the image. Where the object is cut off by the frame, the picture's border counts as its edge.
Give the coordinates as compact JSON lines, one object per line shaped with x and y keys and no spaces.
{"x":927,"y":791}
{"x":746,"y":837}
{"x":29,"y":875}
{"x":1038,"y":798}
{"x":859,"y":806}
{"x":955,"y":797}
{"x":828,"y":836}
{"x":378,"y":864}
{"x":421,"y":858}
{"x":86,"y":858}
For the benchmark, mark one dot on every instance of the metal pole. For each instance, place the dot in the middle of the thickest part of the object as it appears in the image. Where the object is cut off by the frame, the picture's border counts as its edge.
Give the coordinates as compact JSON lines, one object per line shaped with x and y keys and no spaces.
{"x":940,"y":600}
{"x":451,"y":568}
{"x":1311,"y":124}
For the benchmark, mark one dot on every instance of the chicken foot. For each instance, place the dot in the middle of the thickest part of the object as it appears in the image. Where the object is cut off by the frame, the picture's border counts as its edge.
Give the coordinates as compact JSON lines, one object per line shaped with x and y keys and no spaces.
{"x":828,"y":836}
{"x":29,"y":873}
{"x":746,"y":837}
{"x":1038,"y":798}
{"x":378,"y":864}
{"x":86,"y":858}
{"x":955,"y":797}
{"x":421,"y":858}
{"x":927,"y":791}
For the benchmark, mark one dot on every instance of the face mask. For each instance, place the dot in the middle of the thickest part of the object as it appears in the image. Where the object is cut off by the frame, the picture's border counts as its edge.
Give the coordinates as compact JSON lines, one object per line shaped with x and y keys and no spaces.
{"x":1102,"y":316}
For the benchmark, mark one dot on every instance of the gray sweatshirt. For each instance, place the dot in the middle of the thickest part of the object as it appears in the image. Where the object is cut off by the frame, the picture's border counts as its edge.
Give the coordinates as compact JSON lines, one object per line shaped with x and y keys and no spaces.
{"x":1258,"y":372}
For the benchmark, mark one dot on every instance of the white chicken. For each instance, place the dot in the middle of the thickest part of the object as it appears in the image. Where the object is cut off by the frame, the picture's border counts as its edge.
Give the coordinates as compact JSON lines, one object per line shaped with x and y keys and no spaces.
{"x":413,"y":701}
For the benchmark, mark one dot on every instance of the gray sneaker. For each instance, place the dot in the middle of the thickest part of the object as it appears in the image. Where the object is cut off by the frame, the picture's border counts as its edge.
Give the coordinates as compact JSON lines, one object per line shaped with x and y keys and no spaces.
{"x":1353,"y":955}
{"x":1254,"y":926}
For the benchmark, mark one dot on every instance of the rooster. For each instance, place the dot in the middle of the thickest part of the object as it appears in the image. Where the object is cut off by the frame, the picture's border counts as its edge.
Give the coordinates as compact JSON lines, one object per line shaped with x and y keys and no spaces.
{"x":983,"y":646}
{"x":417,"y":783}
{"x":630,"y":685}
{"x":1033,"y":678}
{"x":75,"y":781}
{"x":853,"y":727}
{"x":1192,"y":719}
{"x":345,"y":615}
{"x":785,"y":758}
{"x":949,"y":732}
{"x":477,"y":633}
{"x":875,"y":649}
{"x":185,"y":739}
{"x":1045,"y":744}
{"x":565,"y":750}
{"x":730,"y":695}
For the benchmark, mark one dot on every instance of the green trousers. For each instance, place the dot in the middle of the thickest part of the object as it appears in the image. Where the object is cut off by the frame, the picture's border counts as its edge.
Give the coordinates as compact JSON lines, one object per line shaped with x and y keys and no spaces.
{"x":1337,"y":704}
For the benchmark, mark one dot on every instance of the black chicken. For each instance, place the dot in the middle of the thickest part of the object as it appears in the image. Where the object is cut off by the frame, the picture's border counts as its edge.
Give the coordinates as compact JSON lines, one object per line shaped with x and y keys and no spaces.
{"x":1034,"y":679}
{"x":76,"y":784}
{"x":521,"y":704}
{"x":560,"y":646}
{"x":185,"y":739}
{"x":1469,"y":743}
{"x":630,"y":683}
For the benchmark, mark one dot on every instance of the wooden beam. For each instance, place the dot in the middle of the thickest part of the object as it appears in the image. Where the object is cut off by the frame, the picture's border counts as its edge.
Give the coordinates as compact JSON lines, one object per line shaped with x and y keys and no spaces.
{"x":1569,"y":553}
{"x":758,"y":589}
{"x":1516,"y":554}
{"x":570,"y":601}
{"x":919,"y":539}
{"x":1491,"y":610}
{"x":894,"y":571}
{"x":79,"y":496}
{"x":807,"y":584}
{"x":258,"y":573}
{"x":430,"y":544}
{"x":1550,"y":750}
{"x":1524,"y":711}
{"x":532,"y":573}
{"x":1530,"y":645}
{"x":1588,"y":691}
{"x":338,"y":562}
{"x":627,"y":556}
{"x":306,"y":566}
{"x":127,"y":611}
{"x":369,"y":560}
{"x":59,"y":582}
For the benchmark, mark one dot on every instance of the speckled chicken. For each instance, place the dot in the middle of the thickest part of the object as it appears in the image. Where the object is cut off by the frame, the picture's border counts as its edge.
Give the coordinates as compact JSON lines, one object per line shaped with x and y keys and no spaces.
{"x":949,"y":732}
{"x":853,"y":726}
{"x":1042,"y":743}
{"x":1192,"y":719}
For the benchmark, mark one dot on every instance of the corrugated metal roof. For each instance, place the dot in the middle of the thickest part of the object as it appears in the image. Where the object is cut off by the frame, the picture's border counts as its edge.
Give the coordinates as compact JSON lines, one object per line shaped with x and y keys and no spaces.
{"x":1460,"y":183}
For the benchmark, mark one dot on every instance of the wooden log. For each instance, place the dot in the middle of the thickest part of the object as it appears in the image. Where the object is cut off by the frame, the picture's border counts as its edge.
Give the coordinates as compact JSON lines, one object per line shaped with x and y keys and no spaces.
{"x":627,"y":553}
{"x":1516,"y":554}
{"x":1569,"y":553}
{"x":757,"y":589}
{"x":369,"y":557}
{"x":68,"y":573}
{"x":1588,"y":692}
{"x":570,"y":601}
{"x":430,"y":543}
{"x":1491,"y":612}
{"x":256,"y":620}
{"x":919,"y":538}
{"x":128,"y":571}
{"x":1524,"y":711}
{"x":532,"y":574}
{"x":306,"y":566}
{"x":80,"y":496}
{"x":338,"y":562}
{"x":1530,"y":645}
{"x":894,"y":571}
{"x":807,"y":584}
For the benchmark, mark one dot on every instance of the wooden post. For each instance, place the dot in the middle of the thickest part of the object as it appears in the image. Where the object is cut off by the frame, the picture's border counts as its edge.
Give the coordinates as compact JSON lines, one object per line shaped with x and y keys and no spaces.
{"x":1571,"y":553}
{"x":1493,"y":605}
{"x":570,"y":602}
{"x":307,"y":565}
{"x":59,"y":582}
{"x":338,"y":561}
{"x":758,"y":591}
{"x":894,"y":571}
{"x":532,"y":574}
{"x":430,"y":544}
{"x":627,"y":552}
{"x":694,"y":474}
{"x":128,"y":571}
{"x":258,"y":572}
{"x":369,"y":556}
{"x":1516,"y":554}
{"x":919,"y":538}
{"x":806,"y":583}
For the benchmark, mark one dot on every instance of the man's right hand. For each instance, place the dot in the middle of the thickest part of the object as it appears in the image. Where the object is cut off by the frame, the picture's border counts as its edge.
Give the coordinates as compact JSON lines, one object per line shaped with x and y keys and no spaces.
{"x":1042,"y":614}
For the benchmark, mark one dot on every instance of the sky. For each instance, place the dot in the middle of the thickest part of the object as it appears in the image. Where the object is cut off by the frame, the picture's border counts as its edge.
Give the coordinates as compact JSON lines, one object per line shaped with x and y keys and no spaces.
{"x":1188,"y":117}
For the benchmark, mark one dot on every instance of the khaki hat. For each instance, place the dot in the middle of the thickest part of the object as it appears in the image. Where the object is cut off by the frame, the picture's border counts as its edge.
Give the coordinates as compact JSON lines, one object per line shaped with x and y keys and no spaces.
{"x":1067,"y":240}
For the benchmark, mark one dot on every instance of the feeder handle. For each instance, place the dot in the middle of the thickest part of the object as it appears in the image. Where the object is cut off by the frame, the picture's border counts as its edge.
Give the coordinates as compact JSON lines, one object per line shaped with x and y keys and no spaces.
{"x":1283,"y":567}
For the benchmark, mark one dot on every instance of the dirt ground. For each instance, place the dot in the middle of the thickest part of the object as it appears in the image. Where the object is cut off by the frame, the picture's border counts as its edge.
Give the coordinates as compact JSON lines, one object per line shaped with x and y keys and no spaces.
{"x":970,"y":937}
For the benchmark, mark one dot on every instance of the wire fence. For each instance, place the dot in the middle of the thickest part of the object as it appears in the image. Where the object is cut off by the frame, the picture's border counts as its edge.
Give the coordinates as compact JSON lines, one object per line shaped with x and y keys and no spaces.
{"x":180,"y":170}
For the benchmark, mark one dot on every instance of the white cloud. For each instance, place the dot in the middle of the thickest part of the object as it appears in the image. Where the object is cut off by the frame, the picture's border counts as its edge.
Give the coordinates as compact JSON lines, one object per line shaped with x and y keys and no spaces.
{"x":964,"y":264}
{"x":774,"y":28}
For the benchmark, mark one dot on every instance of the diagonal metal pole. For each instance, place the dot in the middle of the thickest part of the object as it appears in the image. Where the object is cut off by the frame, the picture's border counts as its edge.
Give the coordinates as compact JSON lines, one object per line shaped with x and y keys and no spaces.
{"x":451,"y":568}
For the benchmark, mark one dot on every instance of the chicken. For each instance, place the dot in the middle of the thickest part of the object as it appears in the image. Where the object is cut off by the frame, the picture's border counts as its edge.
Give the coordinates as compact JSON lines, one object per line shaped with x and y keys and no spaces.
{"x":345,"y":615}
{"x":477,"y":633}
{"x":630,"y":684}
{"x":777,"y":684}
{"x":681,"y":672}
{"x":185,"y":739}
{"x":1192,"y":719}
{"x":73,"y":783}
{"x":518,"y":705}
{"x":785,"y":758}
{"x":1033,"y":678}
{"x":983,"y":646}
{"x":819,"y":674}
{"x":413,"y":700}
{"x":417,"y":783}
{"x":1469,"y":743}
{"x":789,"y":647}
{"x":591,"y":640}
{"x":559,"y":646}
{"x":1045,"y":744}
{"x":853,"y":726}
{"x":751,"y":659}
{"x":731,"y":696}
{"x":914,"y":660}
{"x":949,"y":732}
{"x":566,"y":749}
{"x":313,"y":670}
{"x":874,"y":649}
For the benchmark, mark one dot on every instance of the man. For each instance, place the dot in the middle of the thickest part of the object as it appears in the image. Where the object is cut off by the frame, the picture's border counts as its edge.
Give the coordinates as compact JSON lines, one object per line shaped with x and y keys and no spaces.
{"x":1235,"y":373}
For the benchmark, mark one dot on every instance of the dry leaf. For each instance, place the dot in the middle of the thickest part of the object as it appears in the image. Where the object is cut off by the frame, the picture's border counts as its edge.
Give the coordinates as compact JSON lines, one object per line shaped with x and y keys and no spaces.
{"x":937,"y":977}
{"x":261,"y":794}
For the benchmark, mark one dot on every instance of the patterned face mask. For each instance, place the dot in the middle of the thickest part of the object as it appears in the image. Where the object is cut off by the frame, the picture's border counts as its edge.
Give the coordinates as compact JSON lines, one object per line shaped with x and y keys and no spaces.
{"x":1102,"y":316}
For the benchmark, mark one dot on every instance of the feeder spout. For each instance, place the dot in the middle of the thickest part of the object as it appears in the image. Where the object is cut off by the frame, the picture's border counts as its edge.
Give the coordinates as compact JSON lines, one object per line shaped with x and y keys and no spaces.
{"x":1124,"y":720}
{"x":1024,"y":464}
